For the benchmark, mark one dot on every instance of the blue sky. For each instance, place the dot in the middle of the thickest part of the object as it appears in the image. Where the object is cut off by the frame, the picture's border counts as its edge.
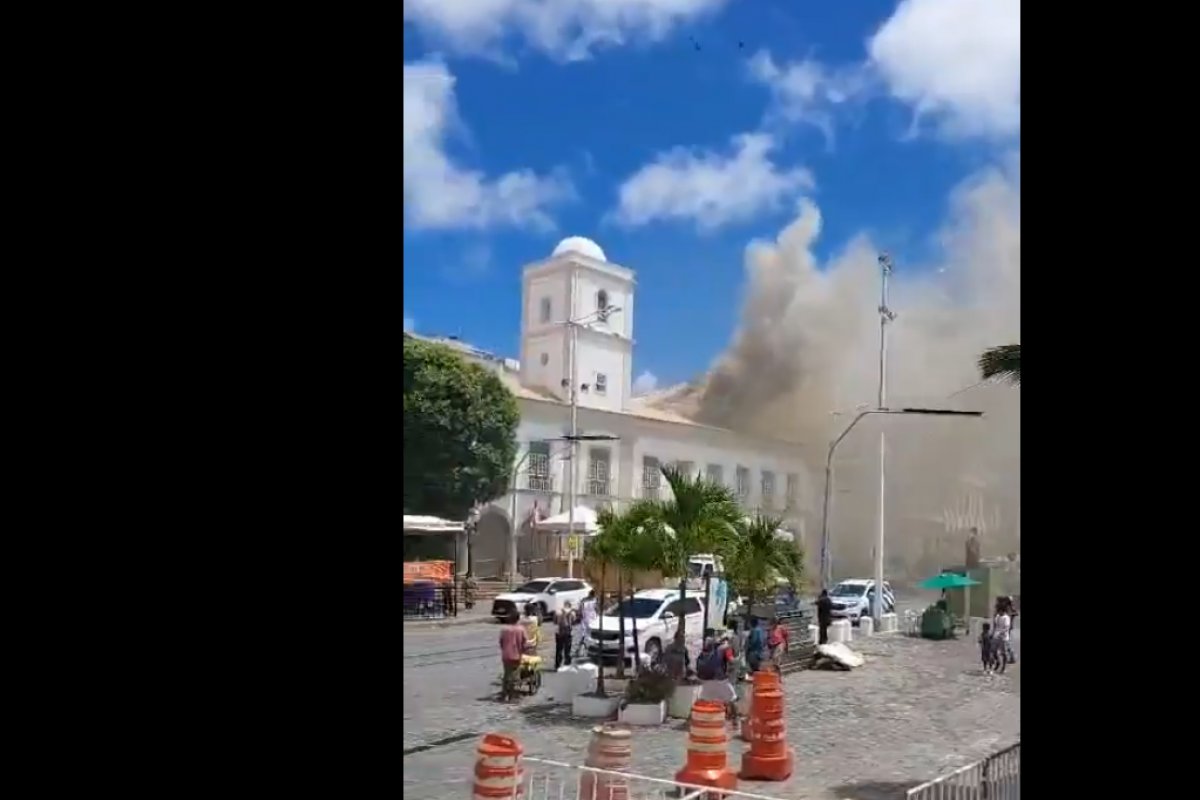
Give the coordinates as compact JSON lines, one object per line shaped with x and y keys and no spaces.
{"x":674,"y":132}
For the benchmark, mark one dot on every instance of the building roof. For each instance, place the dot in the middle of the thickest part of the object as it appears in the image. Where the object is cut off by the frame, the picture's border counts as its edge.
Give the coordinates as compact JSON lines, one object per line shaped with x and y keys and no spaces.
{"x":581,"y":245}
{"x":669,"y":405}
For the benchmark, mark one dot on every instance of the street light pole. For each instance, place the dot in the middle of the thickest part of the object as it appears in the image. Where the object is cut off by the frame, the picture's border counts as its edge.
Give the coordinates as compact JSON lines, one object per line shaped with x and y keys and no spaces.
{"x":885,"y":316}
{"x":573,"y":368}
{"x":826,"y":559}
{"x":574,"y":448}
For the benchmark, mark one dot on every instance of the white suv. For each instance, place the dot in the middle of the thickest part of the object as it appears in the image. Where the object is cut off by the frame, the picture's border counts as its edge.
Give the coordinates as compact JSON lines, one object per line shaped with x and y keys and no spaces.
{"x":546,"y":594}
{"x":656,"y":613}
{"x":852,"y":598}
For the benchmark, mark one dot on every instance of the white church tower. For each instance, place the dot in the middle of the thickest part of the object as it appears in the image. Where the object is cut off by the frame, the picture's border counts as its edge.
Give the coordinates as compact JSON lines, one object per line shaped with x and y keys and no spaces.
{"x":577,"y":288}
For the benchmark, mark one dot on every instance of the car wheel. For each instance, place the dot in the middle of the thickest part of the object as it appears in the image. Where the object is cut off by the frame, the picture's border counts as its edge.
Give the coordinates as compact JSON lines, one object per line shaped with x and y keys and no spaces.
{"x":653,"y":650}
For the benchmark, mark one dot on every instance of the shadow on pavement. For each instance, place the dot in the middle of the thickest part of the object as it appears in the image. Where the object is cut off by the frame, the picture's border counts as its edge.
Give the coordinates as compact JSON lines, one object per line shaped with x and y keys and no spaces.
{"x":553,"y":715}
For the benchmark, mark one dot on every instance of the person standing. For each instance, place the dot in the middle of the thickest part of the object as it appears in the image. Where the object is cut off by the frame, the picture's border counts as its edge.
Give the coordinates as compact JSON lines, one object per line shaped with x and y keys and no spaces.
{"x":777,"y":643}
{"x":714,"y":667}
{"x":564,"y":622}
{"x":756,"y":645}
{"x":824,"y":617}
{"x":587,"y":620}
{"x":1001,"y":627}
{"x":512,"y":646}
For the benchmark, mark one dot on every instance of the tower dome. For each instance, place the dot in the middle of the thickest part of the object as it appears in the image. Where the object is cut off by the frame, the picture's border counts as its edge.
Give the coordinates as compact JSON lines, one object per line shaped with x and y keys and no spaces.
{"x":581,"y":245}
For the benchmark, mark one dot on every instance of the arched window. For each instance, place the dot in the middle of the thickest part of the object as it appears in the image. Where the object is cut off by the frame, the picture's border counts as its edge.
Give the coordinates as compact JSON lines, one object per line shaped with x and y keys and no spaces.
{"x":545,"y":309}
{"x":601,"y":300}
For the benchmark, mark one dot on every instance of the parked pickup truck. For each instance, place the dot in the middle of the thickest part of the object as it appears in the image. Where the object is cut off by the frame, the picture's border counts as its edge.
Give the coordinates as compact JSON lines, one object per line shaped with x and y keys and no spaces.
{"x":656,"y":613}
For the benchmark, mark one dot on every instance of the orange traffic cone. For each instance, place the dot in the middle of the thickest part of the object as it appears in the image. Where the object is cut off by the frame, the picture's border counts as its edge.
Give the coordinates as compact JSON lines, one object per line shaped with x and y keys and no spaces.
{"x":757,"y":679}
{"x":707,"y":760}
{"x":609,"y":750}
{"x":769,"y":758}
{"x":498,"y":770}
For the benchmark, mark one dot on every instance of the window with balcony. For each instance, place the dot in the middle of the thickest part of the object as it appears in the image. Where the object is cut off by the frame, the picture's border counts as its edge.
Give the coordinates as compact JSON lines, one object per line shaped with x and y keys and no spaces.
{"x":539,"y":467}
{"x":715,"y":474}
{"x":651,"y":477}
{"x":768,"y":490}
{"x":743,"y":484}
{"x":793,"y":490}
{"x":598,"y":471}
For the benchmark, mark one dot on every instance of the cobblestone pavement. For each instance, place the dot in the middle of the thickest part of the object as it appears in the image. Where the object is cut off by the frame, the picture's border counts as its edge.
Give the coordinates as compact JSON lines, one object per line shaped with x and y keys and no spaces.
{"x":916,"y":709}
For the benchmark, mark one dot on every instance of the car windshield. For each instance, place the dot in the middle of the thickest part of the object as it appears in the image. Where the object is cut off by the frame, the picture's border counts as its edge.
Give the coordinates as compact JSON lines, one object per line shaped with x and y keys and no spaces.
{"x":638,"y":608}
{"x":849,"y":590}
{"x":534,"y":587}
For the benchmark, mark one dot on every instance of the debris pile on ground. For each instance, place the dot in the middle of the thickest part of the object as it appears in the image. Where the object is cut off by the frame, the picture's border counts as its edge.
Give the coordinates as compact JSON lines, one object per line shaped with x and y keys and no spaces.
{"x":837,"y":656}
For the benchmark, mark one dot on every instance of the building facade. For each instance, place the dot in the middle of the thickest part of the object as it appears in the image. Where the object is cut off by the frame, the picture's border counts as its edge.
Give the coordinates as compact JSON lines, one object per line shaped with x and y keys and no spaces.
{"x":577,"y":332}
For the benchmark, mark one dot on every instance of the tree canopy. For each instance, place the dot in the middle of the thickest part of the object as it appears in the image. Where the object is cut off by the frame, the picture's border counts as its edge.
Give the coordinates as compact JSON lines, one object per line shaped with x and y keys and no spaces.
{"x":759,"y":556}
{"x":460,"y":425}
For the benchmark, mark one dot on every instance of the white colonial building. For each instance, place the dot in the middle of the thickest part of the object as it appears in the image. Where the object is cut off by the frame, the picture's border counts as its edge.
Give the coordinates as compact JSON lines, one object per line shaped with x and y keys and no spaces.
{"x":577,"y":300}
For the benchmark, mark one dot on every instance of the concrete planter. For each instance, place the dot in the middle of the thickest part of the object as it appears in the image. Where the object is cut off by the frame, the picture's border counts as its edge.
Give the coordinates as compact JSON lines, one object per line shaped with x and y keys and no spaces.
{"x":679,"y":705}
{"x":562,"y":687}
{"x":644,"y":713}
{"x":590,"y":707}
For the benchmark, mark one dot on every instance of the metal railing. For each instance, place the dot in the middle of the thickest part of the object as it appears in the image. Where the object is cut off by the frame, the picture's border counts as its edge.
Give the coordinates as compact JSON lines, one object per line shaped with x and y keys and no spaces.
{"x":554,"y":780}
{"x":997,"y":777}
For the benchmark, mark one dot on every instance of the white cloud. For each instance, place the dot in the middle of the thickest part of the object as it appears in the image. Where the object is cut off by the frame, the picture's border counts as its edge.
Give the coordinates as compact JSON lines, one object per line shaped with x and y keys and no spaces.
{"x":410,"y":324}
{"x":955,"y":61}
{"x":709,"y":189}
{"x":567,"y":30}
{"x":645,"y":383}
{"x":440,"y":194}
{"x":807,"y":92}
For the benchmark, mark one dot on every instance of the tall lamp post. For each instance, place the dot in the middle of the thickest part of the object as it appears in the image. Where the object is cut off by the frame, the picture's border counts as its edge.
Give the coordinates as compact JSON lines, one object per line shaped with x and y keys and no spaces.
{"x":826,"y":561}
{"x":601,"y":314}
{"x":886,"y":315}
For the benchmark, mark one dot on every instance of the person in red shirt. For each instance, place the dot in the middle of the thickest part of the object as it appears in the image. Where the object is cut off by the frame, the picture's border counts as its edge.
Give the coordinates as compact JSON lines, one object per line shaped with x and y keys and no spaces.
{"x":512,"y":646}
{"x":777,"y":643}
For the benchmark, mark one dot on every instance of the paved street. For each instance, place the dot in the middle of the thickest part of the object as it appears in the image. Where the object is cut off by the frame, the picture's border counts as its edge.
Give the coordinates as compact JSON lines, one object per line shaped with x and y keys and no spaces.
{"x":916,"y":709}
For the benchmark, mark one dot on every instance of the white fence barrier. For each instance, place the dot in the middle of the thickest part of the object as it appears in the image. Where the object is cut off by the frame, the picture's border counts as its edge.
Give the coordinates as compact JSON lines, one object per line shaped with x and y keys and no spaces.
{"x":997,"y":777}
{"x":555,"y":780}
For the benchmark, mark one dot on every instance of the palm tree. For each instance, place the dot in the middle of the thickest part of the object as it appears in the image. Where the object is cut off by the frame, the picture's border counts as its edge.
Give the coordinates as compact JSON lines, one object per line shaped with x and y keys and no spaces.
{"x":619,"y":541}
{"x":759,"y":557}
{"x":1002,"y":362}
{"x":601,"y":551}
{"x":700,"y":517}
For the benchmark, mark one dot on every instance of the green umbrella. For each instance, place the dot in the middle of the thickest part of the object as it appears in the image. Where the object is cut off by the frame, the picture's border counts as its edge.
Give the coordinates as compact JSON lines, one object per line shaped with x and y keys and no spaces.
{"x":948,"y":580}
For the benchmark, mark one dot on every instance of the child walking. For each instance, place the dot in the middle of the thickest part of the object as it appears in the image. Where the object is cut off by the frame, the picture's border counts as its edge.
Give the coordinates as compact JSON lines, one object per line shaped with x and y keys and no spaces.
{"x":987,"y":649}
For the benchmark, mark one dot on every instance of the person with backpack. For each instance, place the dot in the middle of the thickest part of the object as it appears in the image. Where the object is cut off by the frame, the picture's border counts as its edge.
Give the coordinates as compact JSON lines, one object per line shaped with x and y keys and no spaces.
{"x":756,"y":645}
{"x":714,"y":667}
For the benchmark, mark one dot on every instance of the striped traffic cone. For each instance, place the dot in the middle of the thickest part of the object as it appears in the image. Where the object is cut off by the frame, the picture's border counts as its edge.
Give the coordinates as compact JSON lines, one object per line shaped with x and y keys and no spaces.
{"x":498,"y":770}
{"x":707,"y":760}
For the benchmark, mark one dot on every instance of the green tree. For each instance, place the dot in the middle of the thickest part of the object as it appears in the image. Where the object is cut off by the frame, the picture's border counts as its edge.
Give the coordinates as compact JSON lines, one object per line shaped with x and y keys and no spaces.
{"x":759,"y":557}
{"x":460,"y":424}
{"x":629,"y":550}
{"x":1002,"y":362}
{"x":700,"y":517}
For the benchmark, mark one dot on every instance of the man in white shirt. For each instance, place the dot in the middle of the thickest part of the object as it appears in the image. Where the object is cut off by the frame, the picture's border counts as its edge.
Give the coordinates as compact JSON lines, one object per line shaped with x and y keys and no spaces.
{"x":587,"y":620}
{"x":1001,"y":627}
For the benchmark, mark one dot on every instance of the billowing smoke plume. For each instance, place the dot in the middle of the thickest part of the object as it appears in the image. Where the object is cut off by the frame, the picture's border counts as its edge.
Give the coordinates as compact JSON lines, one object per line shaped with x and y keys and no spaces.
{"x":808,"y":345}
